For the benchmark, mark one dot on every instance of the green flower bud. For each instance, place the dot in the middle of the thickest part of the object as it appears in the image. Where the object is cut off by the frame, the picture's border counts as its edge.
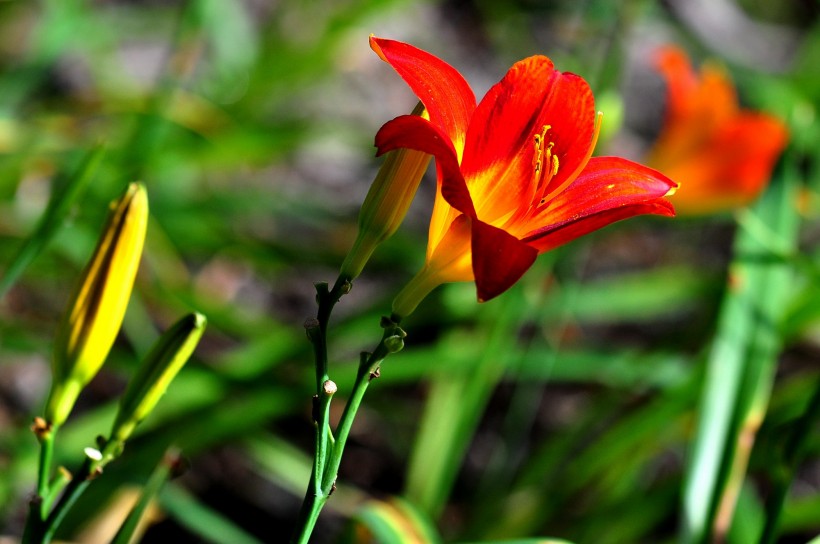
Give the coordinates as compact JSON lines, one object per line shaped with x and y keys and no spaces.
{"x":155,"y":373}
{"x":98,"y":304}
{"x":386,"y":203}
{"x":394,"y":343}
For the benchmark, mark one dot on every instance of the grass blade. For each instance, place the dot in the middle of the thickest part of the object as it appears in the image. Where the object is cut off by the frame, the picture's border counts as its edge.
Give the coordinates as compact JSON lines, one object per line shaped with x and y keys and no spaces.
{"x":67,"y":189}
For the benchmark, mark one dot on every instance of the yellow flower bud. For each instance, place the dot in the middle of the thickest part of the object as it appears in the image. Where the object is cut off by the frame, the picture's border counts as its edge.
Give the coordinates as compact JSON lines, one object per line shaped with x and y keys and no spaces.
{"x":386,"y":203}
{"x":162,"y":364}
{"x":98,"y":304}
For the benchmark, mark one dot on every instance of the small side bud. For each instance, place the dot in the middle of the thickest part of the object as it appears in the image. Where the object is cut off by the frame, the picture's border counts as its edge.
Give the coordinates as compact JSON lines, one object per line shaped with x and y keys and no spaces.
{"x":329,"y":388}
{"x":156,"y":372}
{"x":394,"y":343}
{"x":311,"y":323}
{"x":63,"y":474}
{"x":40,"y":427}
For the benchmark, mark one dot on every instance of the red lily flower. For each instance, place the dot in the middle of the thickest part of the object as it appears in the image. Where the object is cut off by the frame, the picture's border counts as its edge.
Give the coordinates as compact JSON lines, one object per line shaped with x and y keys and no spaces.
{"x":515,"y":177}
{"x":722,"y":156}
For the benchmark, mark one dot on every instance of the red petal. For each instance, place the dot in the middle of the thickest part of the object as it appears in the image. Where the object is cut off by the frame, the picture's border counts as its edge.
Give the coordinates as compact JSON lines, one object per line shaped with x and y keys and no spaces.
{"x":414,"y":132}
{"x":499,"y":259}
{"x":732,"y":168}
{"x":681,"y":81}
{"x":607,"y":190}
{"x":498,"y":157}
{"x":448,"y":98}
{"x":558,"y":235}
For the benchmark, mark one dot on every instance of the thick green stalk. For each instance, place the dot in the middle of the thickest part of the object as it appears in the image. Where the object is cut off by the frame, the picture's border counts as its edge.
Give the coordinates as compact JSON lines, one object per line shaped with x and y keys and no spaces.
{"x":315,"y":495}
{"x":392,"y":341}
{"x":38,"y":507}
{"x":328,"y":450}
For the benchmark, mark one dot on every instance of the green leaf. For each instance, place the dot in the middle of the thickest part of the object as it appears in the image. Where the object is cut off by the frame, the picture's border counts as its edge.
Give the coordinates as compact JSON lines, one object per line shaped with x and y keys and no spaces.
{"x":394,"y":521}
{"x":743,"y":358}
{"x":201,"y":520}
{"x":67,"y":189}
{"x":161,"y":474}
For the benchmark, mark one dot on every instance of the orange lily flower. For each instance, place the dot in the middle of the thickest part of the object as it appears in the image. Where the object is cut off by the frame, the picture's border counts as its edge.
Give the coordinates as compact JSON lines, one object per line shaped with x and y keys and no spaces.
{"x":722,"y":156}
{"x":515,"y":177}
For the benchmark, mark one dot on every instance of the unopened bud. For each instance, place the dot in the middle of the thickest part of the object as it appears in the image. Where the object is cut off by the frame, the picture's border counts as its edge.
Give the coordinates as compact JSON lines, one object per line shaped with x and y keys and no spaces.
{"x":394,"y":343}
{"x":98,"y":304}
{"x":386,"y":203}
{"x":156,"y":372}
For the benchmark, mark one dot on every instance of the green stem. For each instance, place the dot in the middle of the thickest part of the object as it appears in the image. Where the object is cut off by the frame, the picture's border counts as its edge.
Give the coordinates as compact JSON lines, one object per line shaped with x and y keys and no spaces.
{"x":88,"y":471}
{"x":793,"y":454}
{"x":368,"y":369}
{"x":308,"y":514}
{"x":316,"y":496}
{"x":58,"y":483}
{"x":38,"y":507}
{"x":73,"y":491}
{"x":44,"y":469}
{"x":328,"y":451}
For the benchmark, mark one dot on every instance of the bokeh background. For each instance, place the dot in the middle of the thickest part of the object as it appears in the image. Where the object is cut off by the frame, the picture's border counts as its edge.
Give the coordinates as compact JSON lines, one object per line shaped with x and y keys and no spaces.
{"x":565,"y":408}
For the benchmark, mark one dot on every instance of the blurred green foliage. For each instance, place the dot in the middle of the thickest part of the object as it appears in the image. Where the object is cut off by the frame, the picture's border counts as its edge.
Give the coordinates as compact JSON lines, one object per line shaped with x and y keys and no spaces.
{"x":566,"y":408}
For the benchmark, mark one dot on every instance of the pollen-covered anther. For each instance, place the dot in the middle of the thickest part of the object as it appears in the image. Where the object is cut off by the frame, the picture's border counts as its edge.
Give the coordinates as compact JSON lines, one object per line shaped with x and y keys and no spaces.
{"x":538,"y":155}
{"x":545,"y":165}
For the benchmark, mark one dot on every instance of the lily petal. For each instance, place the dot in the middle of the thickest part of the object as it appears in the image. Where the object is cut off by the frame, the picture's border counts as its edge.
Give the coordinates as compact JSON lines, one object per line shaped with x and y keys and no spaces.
{"x":445,"y":94}
{"x":607,"y":190}
{"x":499,"y":259}
{"x":414,"y":132}
{"x":733,"y":168}
{"x":559,"y":234}
{"x":499,"y":159}
{"x":696,"y":106}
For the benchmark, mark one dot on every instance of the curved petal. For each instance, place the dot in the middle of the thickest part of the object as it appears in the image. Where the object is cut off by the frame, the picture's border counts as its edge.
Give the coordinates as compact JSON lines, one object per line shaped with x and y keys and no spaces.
{"x":499,"y":259}
{"x":560,"y":234}
{"x":609,"y":188}
{"x":445,"y":94}
{"x":697,"y":105}
{"x":710,"y":97}
{"x":681,"y":82}
{"x":414,"y":132}
{"x":732,"y":168}
{"x":532,"y":103}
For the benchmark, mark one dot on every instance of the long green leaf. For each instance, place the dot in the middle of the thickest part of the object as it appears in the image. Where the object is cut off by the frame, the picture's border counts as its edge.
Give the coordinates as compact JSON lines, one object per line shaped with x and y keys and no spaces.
{"x":67,"y":188}
{"x":742,"y":361}
{"x":128,"y":530}
{"x":201,"y":520}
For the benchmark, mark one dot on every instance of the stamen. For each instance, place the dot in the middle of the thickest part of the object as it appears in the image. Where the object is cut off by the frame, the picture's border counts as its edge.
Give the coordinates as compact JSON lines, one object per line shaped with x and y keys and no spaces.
{"x":544,"y":167}
{"x":570,"y":178}
{"x":543,"y":176}
{"x":538,"y":159}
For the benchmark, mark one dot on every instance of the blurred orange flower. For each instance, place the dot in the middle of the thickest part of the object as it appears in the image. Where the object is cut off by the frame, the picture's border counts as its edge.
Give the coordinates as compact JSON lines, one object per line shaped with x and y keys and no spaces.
{"x":722,"y":156}
{"x":515,"y":173}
